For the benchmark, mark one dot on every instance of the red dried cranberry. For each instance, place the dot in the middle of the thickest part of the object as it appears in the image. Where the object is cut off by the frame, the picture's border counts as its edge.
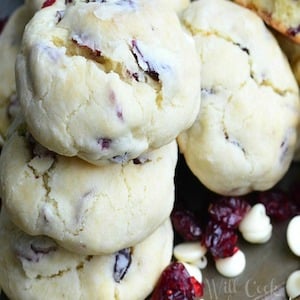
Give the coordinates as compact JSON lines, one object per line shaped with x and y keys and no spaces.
{"x":229,"y":211}
{"x":48,"y":3}
{"x":277,"y":203}
{"x":175,"y":283}
{"x":186,"y":225}
{"x":104,"y":143}
{"x":219,"y":240}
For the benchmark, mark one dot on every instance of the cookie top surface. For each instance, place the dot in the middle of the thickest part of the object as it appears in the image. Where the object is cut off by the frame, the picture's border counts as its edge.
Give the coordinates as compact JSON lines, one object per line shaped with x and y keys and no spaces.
{"x":87,"y":209}
{"x":244,"y":137}
{"x":177,"y":5}
{"x":108,"y":94}
{"x":37,"y":268}
{"x":282,"y":15}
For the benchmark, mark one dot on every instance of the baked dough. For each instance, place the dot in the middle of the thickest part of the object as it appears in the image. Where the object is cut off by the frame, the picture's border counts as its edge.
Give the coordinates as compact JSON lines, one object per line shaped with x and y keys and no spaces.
{"x":35,"y":5}
{"x":10,"y":42}
{"x":292,"y":51}
{"x":245,"y":134}
{"x":88,"y":209}
{"x":36,"y":268}
{"x":282,"y":15}
{"x":177,"y":5}
{"x":107,"y":81}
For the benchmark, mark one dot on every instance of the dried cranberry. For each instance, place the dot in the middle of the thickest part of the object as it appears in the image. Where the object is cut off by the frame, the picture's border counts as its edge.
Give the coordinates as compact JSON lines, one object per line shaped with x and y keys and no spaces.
{"x":175,"y":283}
{"x":229,"y":211}
{"x":104,"y":143}
{"x":220,"y":241}
{"x":277,"y":203}
{"x":48,"y":3}
{"x":186,"y":225}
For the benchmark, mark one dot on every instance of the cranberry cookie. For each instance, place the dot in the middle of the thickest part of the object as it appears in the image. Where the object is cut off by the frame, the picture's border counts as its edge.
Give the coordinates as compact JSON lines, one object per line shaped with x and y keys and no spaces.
{"x":88,"y":209}
{"x":107,"y":81}
{"x":37,"y":268}
{"x":245,"y":135}
{"x":292,"y":51}
{"x":10,"y":42}
{"x":282,"y":15}
{"x":177,"y":5}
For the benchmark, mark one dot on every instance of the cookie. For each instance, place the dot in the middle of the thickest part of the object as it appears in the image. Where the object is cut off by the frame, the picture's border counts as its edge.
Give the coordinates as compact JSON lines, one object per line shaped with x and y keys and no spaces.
{"x":245,"y":134}
{"x":10,"y":42}
{"x":292,"y":51}
{"x":107,"y":81}
{"x":34,"y":5}
{"x":38,"y":268}
{"x":177,"y":5}
{"x":88,"y":209}
{"x":282,"y":15}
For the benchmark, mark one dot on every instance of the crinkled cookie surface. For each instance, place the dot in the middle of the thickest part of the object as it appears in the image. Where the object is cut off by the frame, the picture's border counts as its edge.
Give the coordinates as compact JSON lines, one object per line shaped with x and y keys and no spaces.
{"x":88,"y":209}
{"x":108,"y":94}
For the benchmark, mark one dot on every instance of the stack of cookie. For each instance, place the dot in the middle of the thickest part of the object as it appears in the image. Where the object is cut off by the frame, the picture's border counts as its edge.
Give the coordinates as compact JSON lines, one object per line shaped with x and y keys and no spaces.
{"x":87,"y":168}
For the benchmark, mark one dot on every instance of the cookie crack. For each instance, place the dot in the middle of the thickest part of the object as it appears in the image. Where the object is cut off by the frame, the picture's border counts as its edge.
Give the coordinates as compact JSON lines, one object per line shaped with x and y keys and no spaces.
{"x":62,"y":272}
{"x":129,"y":195}
{"x":145,"y":72}
{"x":45,"y":179}
{"x":45,"y":176}
{"x":82,"y":213}
{"x":264,"y":82}
{"x":227,"y":135}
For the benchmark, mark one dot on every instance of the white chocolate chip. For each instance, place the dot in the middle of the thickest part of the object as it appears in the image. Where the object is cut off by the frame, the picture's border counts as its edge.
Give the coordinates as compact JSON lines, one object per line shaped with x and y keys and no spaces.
{"x":189,"y":252}
{"x":201,"y":263}
{"x":293,"y":237}
{"x":193,"y":271}
{"x":293,"y":284}
{"x":256,"y":226}
{"x":231,"y":266}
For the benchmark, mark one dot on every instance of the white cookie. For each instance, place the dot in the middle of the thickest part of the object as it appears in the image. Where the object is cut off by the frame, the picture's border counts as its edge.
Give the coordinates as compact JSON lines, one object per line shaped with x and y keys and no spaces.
{"x":244,"y":137}
{"x":36,"y":268}
{"x":34,"y":5}
{"x":292,"y":51}
{"x":107,"y":81}
{"x":10,"y":42}
{"x":177,"y":5}
{"x":88,"y":209}
{"x":282,"y":15}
